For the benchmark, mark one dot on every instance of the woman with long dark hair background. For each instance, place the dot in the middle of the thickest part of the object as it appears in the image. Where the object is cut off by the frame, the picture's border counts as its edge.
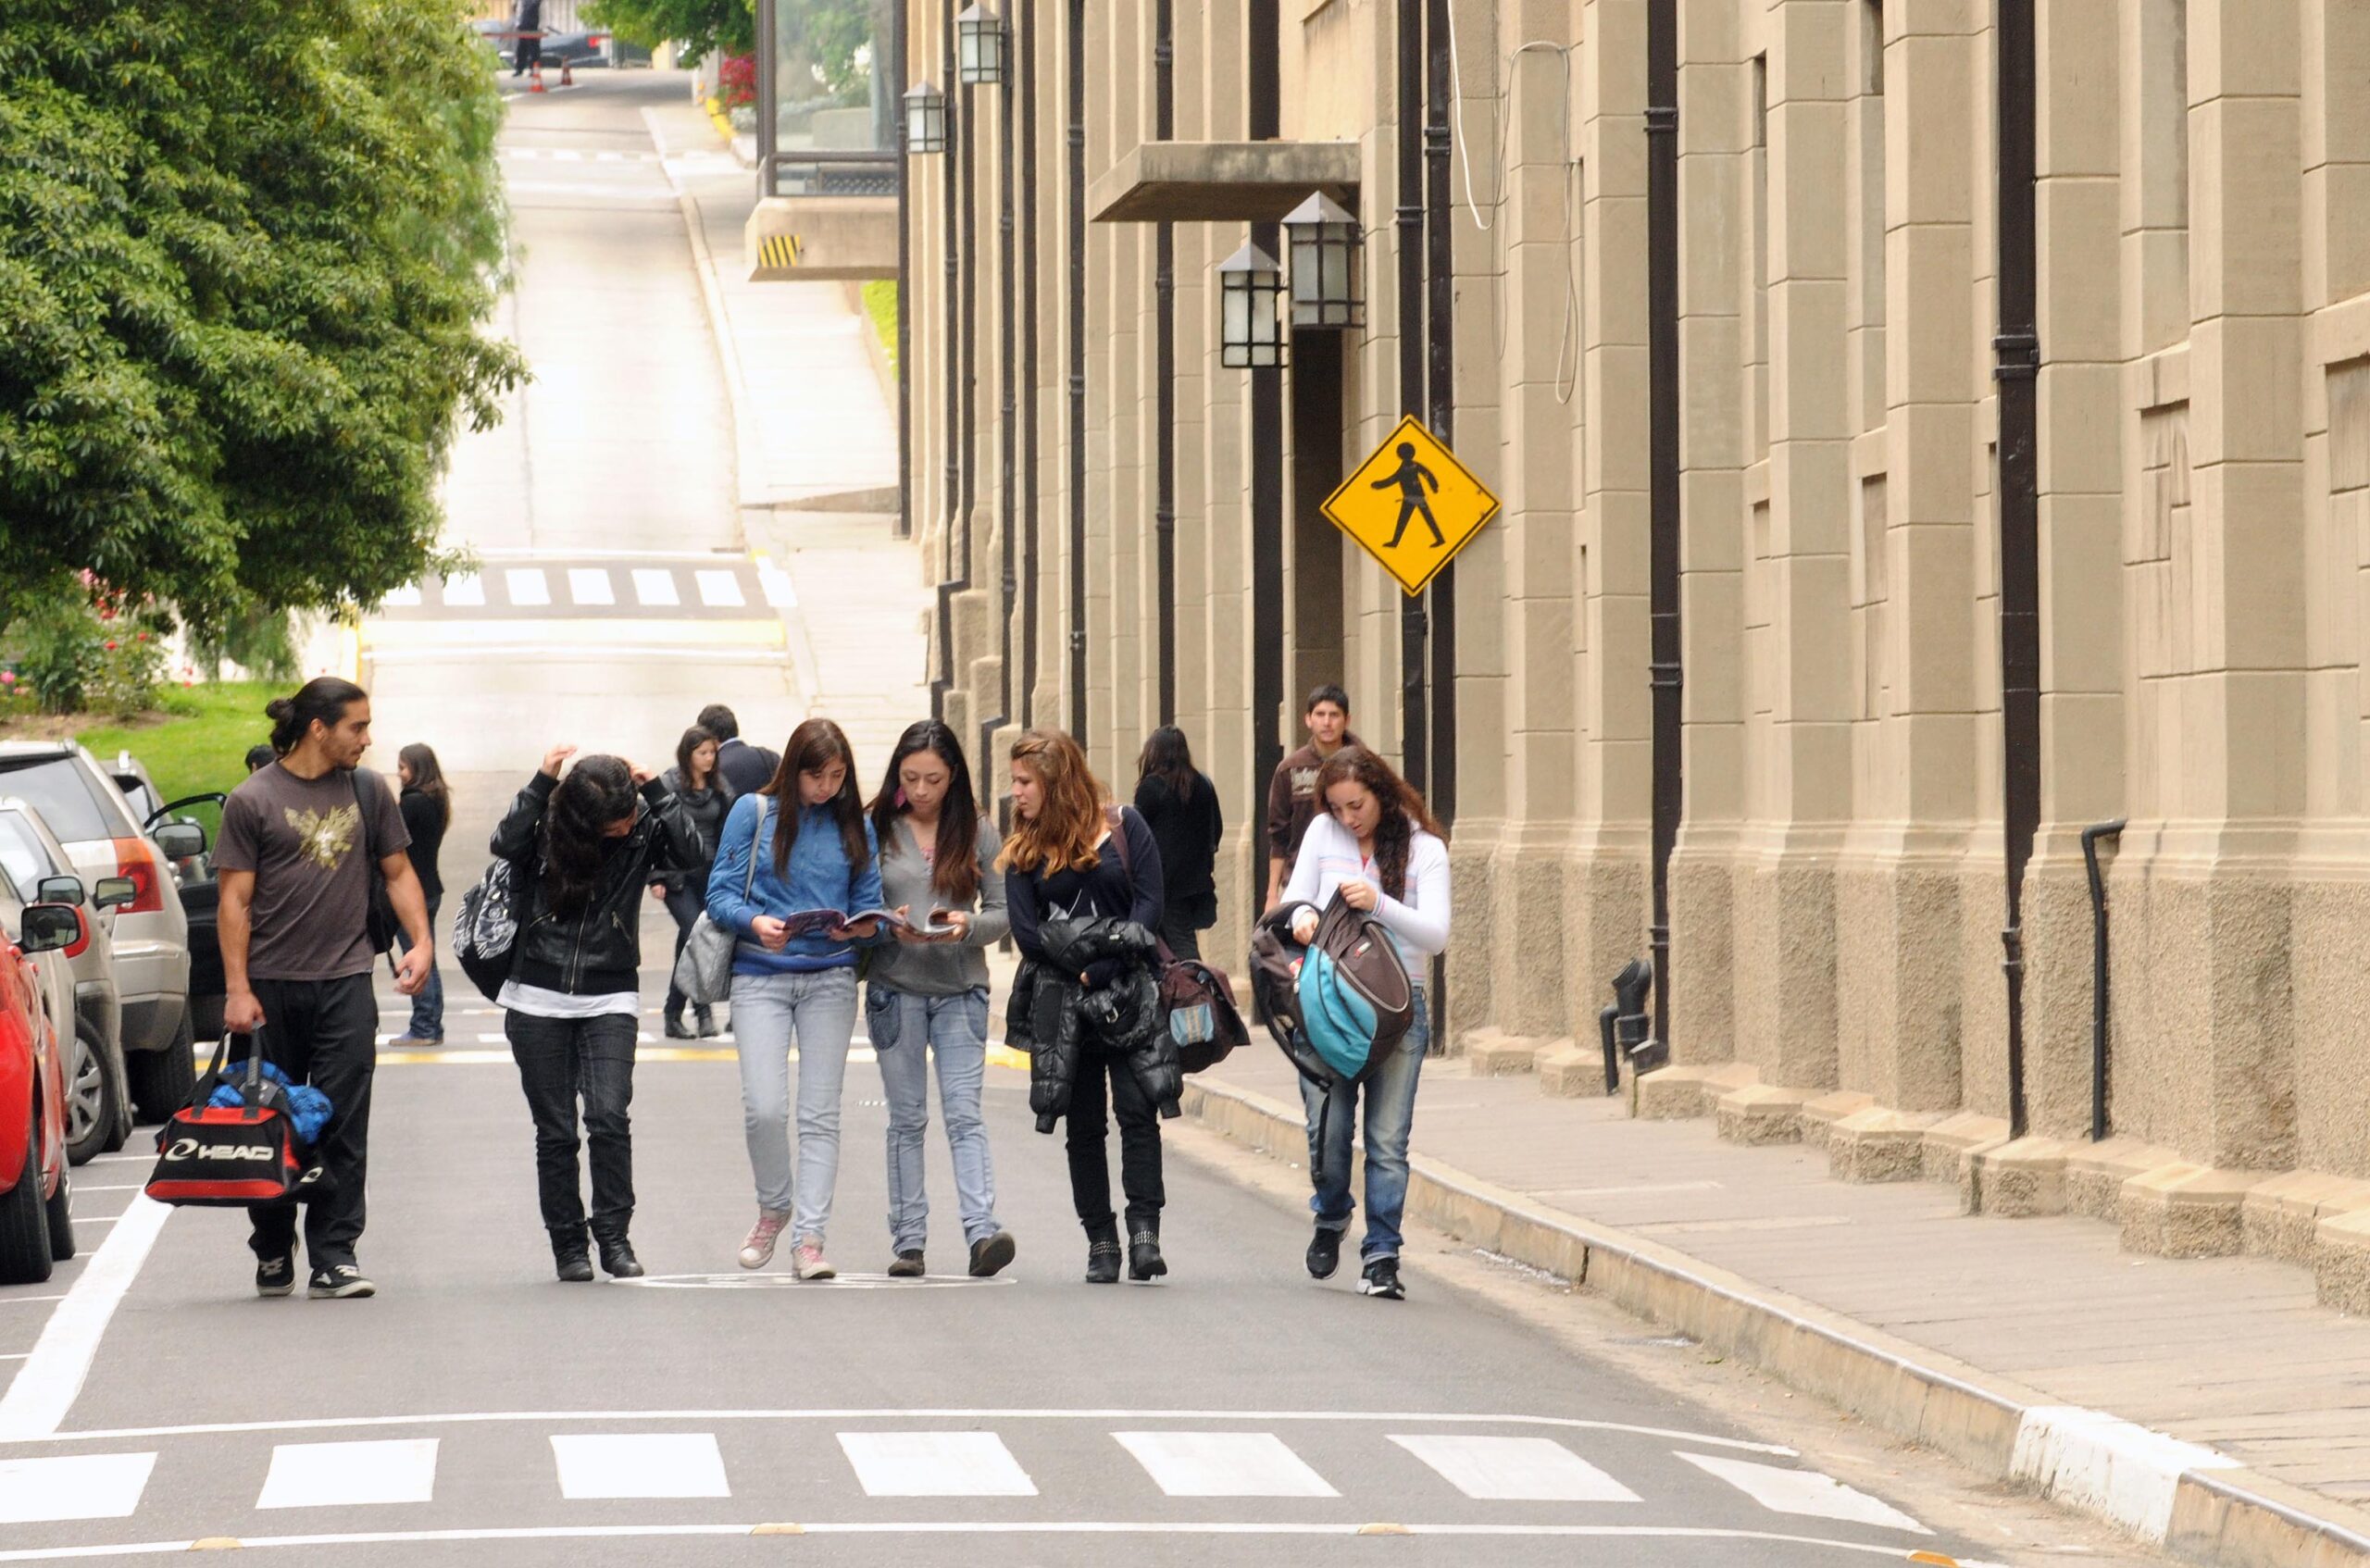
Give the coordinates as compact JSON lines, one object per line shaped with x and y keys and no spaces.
{"x":427,"y":807}
{"x":584,"y":847}
{"x":695,"y":782}
{"x":1180,"y":805}
{"x":927,"y":995}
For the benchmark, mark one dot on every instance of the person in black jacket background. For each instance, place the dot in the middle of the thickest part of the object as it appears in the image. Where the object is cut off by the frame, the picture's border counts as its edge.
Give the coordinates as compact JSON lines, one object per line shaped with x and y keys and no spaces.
{"x":1180,"y":805}
{"x":699,"y":784}
{"x":427,"y":807}
{"x":744,"y":767}
{"x":584,"y":847}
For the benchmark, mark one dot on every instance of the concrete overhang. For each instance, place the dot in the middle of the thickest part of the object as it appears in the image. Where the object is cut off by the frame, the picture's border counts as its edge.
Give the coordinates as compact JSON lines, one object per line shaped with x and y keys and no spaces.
{"x":1222,"y":181}
{"x":818,"y":239}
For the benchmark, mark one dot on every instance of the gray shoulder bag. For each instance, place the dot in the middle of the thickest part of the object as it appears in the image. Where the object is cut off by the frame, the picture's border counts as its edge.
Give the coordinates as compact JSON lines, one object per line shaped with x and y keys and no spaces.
{"x":703,"y":970}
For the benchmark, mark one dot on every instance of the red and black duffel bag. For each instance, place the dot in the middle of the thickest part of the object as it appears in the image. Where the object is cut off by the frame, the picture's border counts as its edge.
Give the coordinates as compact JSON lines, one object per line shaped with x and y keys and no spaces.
{"x":229,"y":1156}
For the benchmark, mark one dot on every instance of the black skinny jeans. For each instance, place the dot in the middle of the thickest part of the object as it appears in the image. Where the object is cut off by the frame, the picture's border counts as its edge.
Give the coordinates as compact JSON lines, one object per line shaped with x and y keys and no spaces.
{"x":324,"y":1033}
{"x":1138,"y":1141}
{"x":685,"y":904}
{"x":1184,"y":937}
{"x":561,"y":1061}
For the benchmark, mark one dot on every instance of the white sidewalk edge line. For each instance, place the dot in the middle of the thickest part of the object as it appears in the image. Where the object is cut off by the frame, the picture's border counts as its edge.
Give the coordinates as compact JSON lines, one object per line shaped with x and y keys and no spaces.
{"x":47,"y":1385}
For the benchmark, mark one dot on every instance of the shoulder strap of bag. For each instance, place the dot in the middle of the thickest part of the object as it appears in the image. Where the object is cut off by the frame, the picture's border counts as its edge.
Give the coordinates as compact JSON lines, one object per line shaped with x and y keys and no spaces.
{"x":1117,"y":817}
{"x":757,"y":841}
{"x":362,"y":810}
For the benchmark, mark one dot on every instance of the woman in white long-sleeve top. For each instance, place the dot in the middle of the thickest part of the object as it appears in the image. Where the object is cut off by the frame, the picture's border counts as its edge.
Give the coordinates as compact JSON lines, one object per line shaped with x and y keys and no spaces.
{"x":1376,"y":843}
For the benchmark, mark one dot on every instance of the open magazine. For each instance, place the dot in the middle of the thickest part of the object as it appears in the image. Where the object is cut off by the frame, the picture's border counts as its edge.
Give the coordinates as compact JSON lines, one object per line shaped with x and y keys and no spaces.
{"x":822,"y":922}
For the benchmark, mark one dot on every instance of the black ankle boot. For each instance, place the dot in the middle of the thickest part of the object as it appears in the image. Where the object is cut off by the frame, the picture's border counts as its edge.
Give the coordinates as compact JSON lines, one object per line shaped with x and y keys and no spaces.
{"x":703,"y":1019}
{"x":617,"y":1259}
{"x":677,"y":1028}
{"x":570,"y":1257}
{"x":1103,"y":1252}
{"x":1144,"y":1261}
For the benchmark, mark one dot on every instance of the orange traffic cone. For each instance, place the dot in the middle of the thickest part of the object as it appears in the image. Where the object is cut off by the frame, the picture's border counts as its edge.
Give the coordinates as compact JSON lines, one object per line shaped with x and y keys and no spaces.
{"x":567,"y":71}
{"x":537,"y":83}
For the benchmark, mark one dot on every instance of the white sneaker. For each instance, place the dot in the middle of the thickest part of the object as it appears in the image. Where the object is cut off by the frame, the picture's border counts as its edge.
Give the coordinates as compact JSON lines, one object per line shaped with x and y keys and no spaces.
{"x":807,"y":1262}
{"x":759,"y":1250}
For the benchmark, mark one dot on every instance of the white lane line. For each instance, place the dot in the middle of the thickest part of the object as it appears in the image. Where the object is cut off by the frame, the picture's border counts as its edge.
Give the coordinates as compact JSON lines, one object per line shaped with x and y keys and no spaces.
{"x":936,"y":1464}
{"x":1514,"y":1469}
{"x":342,"y":1474}
{"x":655,"y":585}
{"x":719,"y":589}
{"x":47,"y":1385}
{"x":647,"y":1464}
{"x":778,"y":591}
{"x":1223,"y":1464}
{"x":528,"y":585}
{"x":96,"y":1485}
{"x":1805,"y":1493}
{"x":465,"y":591}
{"x":590,"y":585}
{"x":20,"y":1300}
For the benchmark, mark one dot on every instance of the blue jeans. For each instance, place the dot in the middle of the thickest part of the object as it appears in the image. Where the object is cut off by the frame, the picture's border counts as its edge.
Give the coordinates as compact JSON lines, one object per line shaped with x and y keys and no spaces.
{"x":815,"y":1010}
{"x":906,"y":1032}
{"x":427,"y":1007}
{"x":1391,"y":1113}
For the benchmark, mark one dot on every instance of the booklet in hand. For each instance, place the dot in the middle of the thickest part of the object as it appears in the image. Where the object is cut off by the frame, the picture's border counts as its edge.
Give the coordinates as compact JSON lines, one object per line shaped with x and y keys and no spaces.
{"x":822,"y":922}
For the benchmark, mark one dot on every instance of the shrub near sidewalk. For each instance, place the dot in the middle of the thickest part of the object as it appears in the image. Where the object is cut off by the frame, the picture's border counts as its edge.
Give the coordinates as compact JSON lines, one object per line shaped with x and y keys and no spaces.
{"x":87,"y":647}
{"x":197,"y":745}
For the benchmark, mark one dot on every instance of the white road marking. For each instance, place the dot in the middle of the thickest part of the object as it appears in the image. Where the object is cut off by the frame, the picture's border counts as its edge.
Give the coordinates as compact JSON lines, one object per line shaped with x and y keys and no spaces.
{"x":1803,"y":1492}
{"x":778,"y":591}
{"x":936,"y":1464}
{"x":465,"y":591}
{"x":719,"y":589}
{"x":1516,"y":1469}
{"x":96,"y":1485}
{"x":342,"y":1474}
{"x":20,"y":1300}
{"x":402,"y":599}
{"x":655,"y":585}
{"x":47,"y":1385}
{"x":590,"y":585}
{"x":1223,"y":1464}
{"x":644,"y":1464}
{"x":528,"y":585}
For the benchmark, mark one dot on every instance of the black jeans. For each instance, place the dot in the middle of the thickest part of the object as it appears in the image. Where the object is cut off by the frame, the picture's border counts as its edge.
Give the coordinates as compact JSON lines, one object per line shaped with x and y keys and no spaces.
{"x":1184,"y":937}
{"x":561,"y":1059}
{"x":324,"y":1033}
{"x":685,"y":906}
{"x":1139,"y":1140}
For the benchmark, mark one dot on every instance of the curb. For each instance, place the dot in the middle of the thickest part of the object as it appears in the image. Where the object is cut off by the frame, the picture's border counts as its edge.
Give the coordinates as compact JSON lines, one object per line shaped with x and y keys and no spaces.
{"x":2191,"y":1500}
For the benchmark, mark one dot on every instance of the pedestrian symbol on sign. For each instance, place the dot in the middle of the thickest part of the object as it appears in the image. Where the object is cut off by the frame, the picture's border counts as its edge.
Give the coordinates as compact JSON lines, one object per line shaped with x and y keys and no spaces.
{"x":1410,"y":476}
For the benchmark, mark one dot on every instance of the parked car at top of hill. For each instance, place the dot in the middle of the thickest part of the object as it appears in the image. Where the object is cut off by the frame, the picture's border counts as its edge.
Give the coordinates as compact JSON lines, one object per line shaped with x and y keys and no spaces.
{"x":577,"y":46}
{"x":98,"y":1102}
{"x":36,"y":1193}
{"x":87,"y":812}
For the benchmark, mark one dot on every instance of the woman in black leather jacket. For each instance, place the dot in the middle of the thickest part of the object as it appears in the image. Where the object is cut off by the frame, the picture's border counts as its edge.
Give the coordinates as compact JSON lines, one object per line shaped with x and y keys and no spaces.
{"x":585,"y":847}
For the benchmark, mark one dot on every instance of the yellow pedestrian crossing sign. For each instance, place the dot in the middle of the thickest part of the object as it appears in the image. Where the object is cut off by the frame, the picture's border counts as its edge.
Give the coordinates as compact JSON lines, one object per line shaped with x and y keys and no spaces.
{"x":1410,"y":505}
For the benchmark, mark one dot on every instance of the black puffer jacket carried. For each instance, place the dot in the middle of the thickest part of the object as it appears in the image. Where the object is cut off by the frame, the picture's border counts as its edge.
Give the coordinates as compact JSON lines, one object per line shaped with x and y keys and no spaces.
{"x":1054,"y":1017}
{"x":597,"y":951}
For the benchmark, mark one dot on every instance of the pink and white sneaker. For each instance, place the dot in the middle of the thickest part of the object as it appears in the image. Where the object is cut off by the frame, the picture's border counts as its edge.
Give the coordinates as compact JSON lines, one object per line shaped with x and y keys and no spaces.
{"x":806,"y":1261}
{"x":758,"y":1251}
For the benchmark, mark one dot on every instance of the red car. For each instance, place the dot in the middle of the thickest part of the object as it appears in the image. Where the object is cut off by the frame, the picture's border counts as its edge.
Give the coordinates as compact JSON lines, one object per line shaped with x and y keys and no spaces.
{"x":36,"y":1221}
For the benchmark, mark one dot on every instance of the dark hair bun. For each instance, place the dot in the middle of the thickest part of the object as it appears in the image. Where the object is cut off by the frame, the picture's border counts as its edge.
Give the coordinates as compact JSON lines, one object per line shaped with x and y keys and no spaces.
{"x":279,"y":709}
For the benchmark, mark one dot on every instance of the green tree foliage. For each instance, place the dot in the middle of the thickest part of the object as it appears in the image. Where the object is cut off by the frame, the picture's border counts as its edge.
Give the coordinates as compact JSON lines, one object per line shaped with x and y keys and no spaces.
{"x":245,"y":249}
{"x":702,"y":27}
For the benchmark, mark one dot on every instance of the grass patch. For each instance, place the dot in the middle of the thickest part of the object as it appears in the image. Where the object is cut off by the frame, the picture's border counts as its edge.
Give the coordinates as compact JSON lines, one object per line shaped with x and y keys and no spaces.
{"x":199,"y":746}
{"x":881,"y":304}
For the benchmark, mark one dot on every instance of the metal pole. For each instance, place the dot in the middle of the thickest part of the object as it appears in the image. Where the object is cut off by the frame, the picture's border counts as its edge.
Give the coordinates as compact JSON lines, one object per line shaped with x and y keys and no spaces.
{"x":769,"y":93}
{"x":1008,"y":427}
{"x":1164,"y":284}
{"x":1077,"y":47}
{"x":2017,"y":373}
{"x":1263,"y":40}
{"x":1439,"y":379}
{"x":948,"y":582}
{"x":1025,"y":22}
{"x":1413,"y":730}
{"x":897,"y":43}
{"x":1665,"y":668}
{"x":2099,"y":1011}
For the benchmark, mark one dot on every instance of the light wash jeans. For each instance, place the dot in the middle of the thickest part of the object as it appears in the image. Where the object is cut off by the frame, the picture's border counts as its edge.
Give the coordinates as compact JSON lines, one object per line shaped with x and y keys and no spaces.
{"x":815,"y":1010}
{"x":906,"y":1032}
{"x":1390,"y":1114}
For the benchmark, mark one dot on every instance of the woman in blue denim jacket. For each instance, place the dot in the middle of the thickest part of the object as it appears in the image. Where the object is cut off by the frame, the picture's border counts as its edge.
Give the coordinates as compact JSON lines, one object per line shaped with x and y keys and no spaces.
{"x":813,"y":851}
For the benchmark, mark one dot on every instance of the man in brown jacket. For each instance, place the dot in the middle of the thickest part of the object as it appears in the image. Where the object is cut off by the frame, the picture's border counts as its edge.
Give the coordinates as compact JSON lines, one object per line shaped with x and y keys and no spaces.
{"x":1292,"y":793}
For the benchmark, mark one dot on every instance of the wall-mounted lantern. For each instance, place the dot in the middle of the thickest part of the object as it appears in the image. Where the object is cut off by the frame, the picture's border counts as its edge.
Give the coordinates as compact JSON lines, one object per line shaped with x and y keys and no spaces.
{"x":1251,"y":290}
{"x":925,"y":119}
{"x":979,"y":46}
{"x":1327,"y":274}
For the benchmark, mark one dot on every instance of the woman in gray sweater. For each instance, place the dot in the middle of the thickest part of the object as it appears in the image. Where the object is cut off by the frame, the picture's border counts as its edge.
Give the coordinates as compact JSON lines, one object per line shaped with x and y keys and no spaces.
{"x":927,"y":995}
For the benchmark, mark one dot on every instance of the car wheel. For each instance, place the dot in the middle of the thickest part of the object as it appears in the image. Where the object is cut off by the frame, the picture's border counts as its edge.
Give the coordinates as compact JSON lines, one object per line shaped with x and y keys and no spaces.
{"x":25,"y":1256}
{"x":163,"y":1080}
{"x":59,"y":1212}
{"x":93,"y":1114}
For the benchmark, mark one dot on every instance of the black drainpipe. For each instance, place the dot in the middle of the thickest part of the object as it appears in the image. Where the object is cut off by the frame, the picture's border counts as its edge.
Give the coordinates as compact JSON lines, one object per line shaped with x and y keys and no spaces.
{"x":2099,"y":1010}
{"x":1163,"y":286}
{"x":1008,"y":432}
{"x":1410,"y":187}
{"x":1665,"y":653}
{"x":1025,"y":23}
{"x":1264,"y":41}
{"x":2018,"y":374}
{"x":1076,"y":43}
{"x":904,"y":290}
{"x":1440,"y":382}
{"x":958,"y":361}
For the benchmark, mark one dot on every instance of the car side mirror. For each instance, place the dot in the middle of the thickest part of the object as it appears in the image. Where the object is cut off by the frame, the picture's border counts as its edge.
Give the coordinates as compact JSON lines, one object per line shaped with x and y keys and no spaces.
{"x":114,"y":892}
{"x":180,"y":840}
{"x":47,"y":928}
{"x":60,"y":890}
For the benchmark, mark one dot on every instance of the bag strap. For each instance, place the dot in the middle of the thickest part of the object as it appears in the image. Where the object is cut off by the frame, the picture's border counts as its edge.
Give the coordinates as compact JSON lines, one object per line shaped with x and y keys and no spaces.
{"x":1117,"y":818}
{"x":756,"y":840}
{"x":362,"y":810}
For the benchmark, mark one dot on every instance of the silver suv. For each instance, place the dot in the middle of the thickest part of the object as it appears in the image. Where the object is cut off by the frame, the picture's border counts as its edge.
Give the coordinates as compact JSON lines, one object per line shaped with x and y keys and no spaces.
{"x":37,"y":868}
{"x":88,"y":813}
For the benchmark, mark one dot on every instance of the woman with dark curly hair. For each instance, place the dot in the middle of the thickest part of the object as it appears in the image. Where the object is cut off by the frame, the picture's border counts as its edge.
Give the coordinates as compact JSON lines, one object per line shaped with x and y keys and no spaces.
{"x":584,"y":847}
{"x":1377,"y":846}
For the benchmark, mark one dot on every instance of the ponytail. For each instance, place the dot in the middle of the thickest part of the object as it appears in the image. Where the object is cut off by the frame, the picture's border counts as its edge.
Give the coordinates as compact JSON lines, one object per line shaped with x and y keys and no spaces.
{"x":325,"y":697}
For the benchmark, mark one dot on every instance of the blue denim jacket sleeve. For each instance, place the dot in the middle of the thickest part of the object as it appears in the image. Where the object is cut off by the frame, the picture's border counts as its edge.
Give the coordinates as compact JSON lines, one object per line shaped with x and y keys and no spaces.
{"x":725,"y":904}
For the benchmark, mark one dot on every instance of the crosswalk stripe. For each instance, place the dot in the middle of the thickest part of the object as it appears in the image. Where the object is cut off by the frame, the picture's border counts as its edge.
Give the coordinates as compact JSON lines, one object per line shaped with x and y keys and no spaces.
{"x":1516,"y":1469}
{"x":342,"y":1474}
{"x":465,"y":591}
{"x":719,"y":589}
{"x":96,"y":1485}
{"x":655,"y":585}
{"x":1805,"y":1493}
{"x":936,"y":1464}
{"x":1223,"y":1464}
{"x":644,"y":1464}
{"x":527,"y":585}
{"x":590,"y":585}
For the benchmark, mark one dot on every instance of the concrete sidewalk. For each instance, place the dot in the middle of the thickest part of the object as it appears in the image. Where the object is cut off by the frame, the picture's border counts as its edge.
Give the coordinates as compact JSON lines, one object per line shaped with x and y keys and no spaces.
{"x":2008,"y":1343}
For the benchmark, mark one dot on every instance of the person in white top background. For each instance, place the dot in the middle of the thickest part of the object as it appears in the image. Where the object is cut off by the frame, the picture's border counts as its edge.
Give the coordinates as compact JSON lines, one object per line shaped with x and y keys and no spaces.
{"x":1378,"y":844}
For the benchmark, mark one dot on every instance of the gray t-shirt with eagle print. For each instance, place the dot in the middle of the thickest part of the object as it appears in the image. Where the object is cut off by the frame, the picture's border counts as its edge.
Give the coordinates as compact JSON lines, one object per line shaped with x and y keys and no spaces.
{"x":302,"y":838}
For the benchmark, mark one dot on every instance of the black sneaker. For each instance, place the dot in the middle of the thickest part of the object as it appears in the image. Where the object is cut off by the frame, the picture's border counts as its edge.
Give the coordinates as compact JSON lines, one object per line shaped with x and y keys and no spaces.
{"x":276,"y":1276}
{"x":908,"y":1264}
{"x":992,"y":1255}
{"x":338,"y":1283}
{"x":1324,"y":1253}
{"x":1382,"y":1279}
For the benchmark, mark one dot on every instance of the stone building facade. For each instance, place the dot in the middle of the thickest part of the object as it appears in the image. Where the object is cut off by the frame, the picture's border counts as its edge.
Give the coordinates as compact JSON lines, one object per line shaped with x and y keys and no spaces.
{"x":1838,"y":888}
